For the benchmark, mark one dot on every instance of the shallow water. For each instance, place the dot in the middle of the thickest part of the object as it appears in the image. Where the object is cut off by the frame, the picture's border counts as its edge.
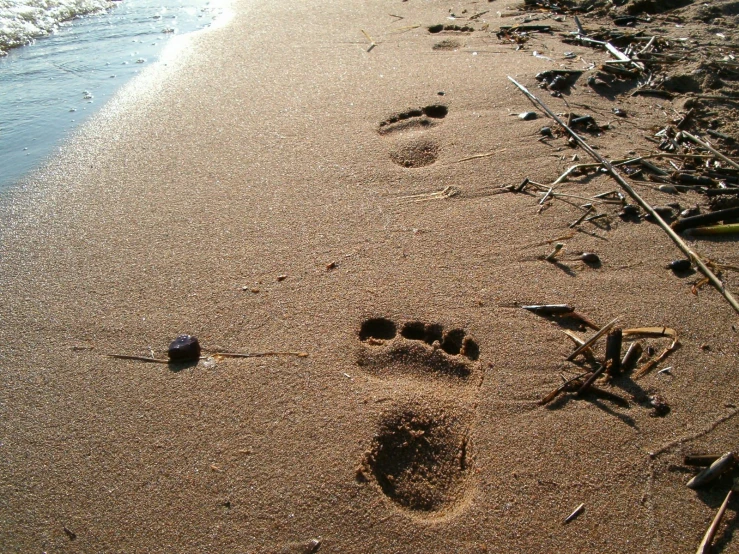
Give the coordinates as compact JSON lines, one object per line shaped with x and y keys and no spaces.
{"x":54,"y":84}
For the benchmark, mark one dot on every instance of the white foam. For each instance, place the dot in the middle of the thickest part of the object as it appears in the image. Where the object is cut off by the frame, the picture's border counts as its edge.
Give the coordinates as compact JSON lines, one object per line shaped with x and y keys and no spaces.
{"x":21,"y":21}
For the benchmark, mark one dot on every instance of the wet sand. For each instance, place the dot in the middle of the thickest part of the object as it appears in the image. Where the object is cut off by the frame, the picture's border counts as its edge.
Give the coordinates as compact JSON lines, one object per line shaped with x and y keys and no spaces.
{"x":246,"y":195}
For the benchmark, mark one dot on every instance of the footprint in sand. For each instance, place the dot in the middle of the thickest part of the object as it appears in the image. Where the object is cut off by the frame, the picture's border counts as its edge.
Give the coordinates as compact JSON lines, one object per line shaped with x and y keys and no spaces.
{"x":421,"y":456}
{"x":441,"y":28}
{"x":412,"y":151}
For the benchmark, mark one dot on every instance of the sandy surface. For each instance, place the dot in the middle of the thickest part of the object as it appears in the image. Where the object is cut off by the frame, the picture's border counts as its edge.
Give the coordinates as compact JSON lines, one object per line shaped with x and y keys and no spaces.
{"x":256,"y":153}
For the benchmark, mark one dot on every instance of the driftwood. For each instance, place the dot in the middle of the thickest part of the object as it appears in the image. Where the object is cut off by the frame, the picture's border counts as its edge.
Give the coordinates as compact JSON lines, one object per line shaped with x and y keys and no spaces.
{"x":716,"y":469}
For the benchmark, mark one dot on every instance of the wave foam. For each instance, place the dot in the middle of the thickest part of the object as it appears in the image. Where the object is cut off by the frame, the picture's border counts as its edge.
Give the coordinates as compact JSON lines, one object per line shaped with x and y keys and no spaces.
{"x":21,"y":21}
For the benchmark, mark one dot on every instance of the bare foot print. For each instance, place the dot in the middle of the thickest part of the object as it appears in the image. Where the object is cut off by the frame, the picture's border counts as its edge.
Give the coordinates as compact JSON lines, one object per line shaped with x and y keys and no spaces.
{"x":440,"y":28}
{"x":421,"y":455}
{"x":415,"y":153}
{"x":447,"y":44}
{"x":413,"y":118}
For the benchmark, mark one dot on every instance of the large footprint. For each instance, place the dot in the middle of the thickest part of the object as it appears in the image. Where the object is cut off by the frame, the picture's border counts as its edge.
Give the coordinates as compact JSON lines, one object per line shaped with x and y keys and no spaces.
{"x":421,"y":456}
{"x":414,"y":151}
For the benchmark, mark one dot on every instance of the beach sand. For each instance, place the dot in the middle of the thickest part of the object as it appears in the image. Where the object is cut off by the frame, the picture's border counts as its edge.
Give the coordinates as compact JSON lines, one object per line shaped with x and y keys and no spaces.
{"x":245,"y":193}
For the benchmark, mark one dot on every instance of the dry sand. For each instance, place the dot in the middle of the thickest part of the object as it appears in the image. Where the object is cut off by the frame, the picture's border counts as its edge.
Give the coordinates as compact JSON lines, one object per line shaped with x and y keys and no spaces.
{"x":256,"y":153}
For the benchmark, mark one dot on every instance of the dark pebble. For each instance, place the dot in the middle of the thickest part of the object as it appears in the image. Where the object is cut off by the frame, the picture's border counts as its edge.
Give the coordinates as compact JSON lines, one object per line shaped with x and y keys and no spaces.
{"x":558,"y":83}
{"x":545,"y":131}
{"x":665,"y":212}
{"x":527,"y":116}
{"x":629,"y":211}
{"x":590,"y":258}
{"x":185,"y":348}
{"x":679,"y":266}
{"x":660,"y":407}
{"x":619,"y":112}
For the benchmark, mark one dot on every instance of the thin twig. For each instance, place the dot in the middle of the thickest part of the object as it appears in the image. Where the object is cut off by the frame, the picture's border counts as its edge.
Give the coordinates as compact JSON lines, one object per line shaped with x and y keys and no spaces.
{"x":588,"y":343}
{"x":478,"y":156}
{"x":138,"y":358}
{"x":705,"y":545}
{"x":715,"y":281}
{"x":259,"y":354}
{"x":708,"y":147}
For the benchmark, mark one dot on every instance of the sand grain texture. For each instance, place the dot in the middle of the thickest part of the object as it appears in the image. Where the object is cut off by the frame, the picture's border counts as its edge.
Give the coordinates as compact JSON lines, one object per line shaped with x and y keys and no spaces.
{"x":258,"y":153}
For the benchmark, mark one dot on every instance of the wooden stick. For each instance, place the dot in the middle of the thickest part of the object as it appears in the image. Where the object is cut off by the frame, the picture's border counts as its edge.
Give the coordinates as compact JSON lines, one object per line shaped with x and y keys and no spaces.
{"x":704,"y":219}
{"x":478,"y":156}
{"x":705,"y":545}
{"x":588,"y":343}
{"x":575,"y":513}
{"x":259,"y":354}
{"x":580,"y":30}
{"x":588,"y":353}
{"x":222,"y":354}
{"x":138,"y":358}
{"x":727,"y":229}
{"x":563,"y":387}
{"x":590,"y":380}
{"x":651,"y":364}
{"x":702,"y":460}
{"x":582,"y":217}
{"x":702,"y":144}
{"x":648,"y":46}
{"x":715,"y":281}
{"x":632,"y":354}
{"x":613,"y":351}
{"x":716,"y":469}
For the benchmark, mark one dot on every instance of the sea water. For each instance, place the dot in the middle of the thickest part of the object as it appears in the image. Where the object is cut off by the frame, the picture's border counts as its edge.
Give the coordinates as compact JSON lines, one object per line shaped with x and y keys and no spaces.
{"x":63,"y":58}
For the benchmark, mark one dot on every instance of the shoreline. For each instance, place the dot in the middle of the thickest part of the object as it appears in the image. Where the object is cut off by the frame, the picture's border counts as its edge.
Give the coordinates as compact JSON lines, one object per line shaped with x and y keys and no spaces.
{"x":254,"y":199}
{"x":56,"y":85}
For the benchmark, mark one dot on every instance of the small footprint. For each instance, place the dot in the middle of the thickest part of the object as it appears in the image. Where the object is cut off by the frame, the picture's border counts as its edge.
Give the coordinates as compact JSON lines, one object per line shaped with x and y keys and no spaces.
{"x":447,"y":44}
{"x":419,"y":348}
{"x":413,"y":118}
{"x":412,"y":152}
{"x":421,"y":455}
{"x":415,"y":153}
{"x":435,"y":29}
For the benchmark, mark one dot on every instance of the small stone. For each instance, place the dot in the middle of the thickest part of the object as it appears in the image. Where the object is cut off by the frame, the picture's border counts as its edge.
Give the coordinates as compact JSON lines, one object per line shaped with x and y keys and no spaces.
{"x":705,"y":347}
{"x":558,"y":83}
{"x":619,"y":112}
{"x":281,"y":277}
{"x":545,"y":131}
{"x":330,"y":266}
{"x":660,"y":407}
{"x":185,"y":348}
{"x":527,"y":116}
{"x":590,"y":258}
{"x":690,"y":212}
{"x":679,"y":265}
{"x":595,"y":82}
{"x":665,"y":212}
{"x":629,"y":211}
{"x":670,"y":189}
